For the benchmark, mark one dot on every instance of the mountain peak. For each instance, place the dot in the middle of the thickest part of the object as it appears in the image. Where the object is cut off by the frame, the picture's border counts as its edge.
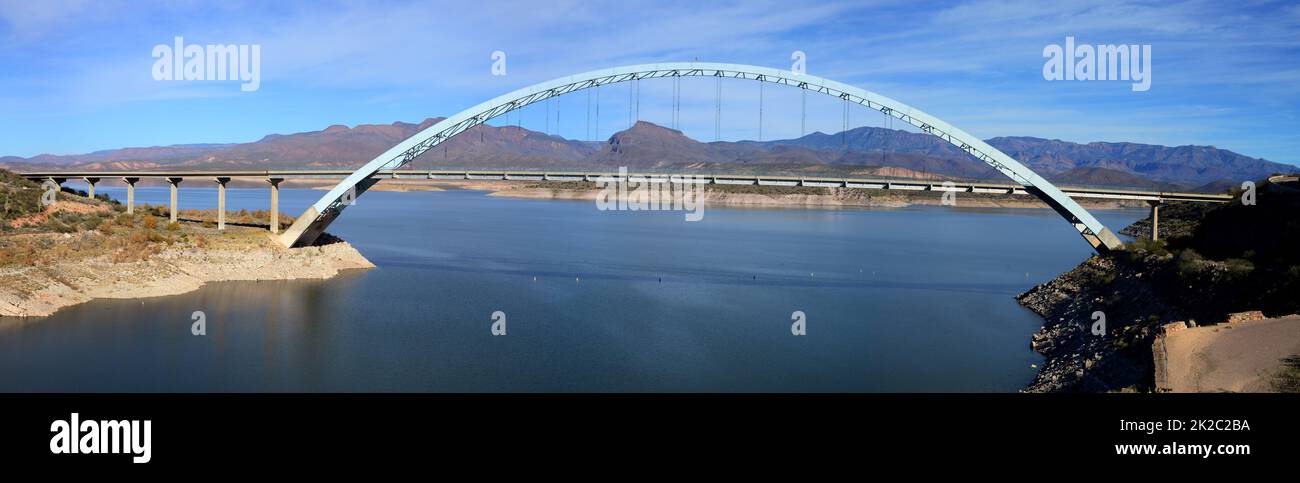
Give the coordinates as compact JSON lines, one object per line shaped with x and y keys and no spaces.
{"x":646,"y":132}
{"x":652,"y":127}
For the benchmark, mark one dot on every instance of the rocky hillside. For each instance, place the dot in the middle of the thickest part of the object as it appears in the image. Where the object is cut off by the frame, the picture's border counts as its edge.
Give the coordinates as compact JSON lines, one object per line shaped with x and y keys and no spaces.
{"x":18,"y":197}
{"x":1228,"y":258}
{"x":1110,"y":177}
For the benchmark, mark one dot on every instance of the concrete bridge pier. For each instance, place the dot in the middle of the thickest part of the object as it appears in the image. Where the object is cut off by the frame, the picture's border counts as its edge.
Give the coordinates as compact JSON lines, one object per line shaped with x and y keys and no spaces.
{"x":130,"y":194}
{"x":90,"y":187}
{"x":1155,"y":219}
{"x":275,"y":203}
{"x":174,"y":182}
{"x":221,"y":202}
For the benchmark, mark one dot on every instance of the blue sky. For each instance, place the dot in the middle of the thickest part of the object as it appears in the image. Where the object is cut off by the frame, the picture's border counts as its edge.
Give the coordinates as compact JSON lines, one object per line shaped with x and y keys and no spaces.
{"x":76,"y":76}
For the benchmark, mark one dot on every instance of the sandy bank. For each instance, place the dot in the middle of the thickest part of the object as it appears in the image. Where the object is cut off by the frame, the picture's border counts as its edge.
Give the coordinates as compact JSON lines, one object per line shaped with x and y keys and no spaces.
{"x":44,"y":289}
{"x":1237,"y":356}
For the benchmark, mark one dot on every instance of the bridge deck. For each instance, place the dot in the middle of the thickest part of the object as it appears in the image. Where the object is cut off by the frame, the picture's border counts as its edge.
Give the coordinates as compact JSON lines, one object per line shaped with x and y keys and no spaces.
{"x":736,"y":179}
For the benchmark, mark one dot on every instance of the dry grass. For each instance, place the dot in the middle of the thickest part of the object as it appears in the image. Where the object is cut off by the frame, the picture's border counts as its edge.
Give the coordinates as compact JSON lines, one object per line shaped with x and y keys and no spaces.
{"x":122,"y":237}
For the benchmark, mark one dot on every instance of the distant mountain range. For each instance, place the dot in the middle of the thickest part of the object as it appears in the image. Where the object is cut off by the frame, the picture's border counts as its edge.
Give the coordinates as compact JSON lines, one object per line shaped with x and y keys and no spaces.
{"x":646,"y":146}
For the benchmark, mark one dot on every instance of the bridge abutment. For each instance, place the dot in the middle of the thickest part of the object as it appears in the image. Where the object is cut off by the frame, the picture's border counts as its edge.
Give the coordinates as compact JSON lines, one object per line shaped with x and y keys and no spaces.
{"x":1155,"y":219}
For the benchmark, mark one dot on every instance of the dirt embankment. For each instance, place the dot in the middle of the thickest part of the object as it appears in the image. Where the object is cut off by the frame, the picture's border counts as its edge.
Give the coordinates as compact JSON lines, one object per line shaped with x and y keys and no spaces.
{"x":40,"y":290}
{"x":63,"y":248}
{"x":1249,"y":353}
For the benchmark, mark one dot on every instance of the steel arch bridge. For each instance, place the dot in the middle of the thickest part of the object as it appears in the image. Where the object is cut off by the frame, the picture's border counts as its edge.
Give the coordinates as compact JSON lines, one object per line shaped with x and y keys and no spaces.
{"x":308,"y":226}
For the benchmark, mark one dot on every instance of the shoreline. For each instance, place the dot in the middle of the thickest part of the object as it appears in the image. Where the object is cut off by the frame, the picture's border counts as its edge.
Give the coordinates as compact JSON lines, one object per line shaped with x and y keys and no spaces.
{"x":738,"y":195}
{"x":42,"y":290}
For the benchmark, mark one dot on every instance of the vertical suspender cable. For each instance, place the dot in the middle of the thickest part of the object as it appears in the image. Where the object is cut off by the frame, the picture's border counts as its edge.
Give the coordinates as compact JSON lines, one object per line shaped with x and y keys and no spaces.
{"x":844,"y":133}
{"x":760,"y":110}
{"x":677,"y":89}
{"x":717,"y":109}
{"x":884,"y":153}
{"x":803,"y":112}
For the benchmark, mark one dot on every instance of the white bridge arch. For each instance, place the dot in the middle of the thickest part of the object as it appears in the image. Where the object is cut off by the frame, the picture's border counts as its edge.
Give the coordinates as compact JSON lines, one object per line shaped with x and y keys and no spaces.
{"x":307,"y":227}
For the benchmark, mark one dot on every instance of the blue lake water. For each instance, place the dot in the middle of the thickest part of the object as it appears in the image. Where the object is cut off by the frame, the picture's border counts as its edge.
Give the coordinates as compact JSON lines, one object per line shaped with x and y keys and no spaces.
{"x":914,"y":299}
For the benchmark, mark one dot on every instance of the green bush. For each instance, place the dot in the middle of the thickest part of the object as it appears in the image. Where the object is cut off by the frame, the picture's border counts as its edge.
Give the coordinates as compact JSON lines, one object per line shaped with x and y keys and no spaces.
{"x":1157,"y":247}
{"x":1190,"y":263}
{"x":1239,"y":266}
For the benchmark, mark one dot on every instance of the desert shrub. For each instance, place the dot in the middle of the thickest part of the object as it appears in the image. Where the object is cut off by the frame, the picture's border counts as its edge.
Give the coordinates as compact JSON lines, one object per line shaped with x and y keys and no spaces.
{"x":1239,"y":266}
{"x":105,"y":227}
{"x":136,"y":246}
{"x":18,"y":197}
{"x":90,"y":223}
{"x":1288,"y":379}
{"x":1157,"y":247}
{"x":22,"y":254}
{"x":1190,"y":263}
{"x":173,"y":226}
{"x":59,"y":226}
{"x":150,"y":222}
{"x":1095,"y":277}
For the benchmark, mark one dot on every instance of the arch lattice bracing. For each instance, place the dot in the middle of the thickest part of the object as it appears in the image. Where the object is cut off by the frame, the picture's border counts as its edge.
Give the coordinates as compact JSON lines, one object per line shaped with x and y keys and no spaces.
{"x":313,"y":222}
